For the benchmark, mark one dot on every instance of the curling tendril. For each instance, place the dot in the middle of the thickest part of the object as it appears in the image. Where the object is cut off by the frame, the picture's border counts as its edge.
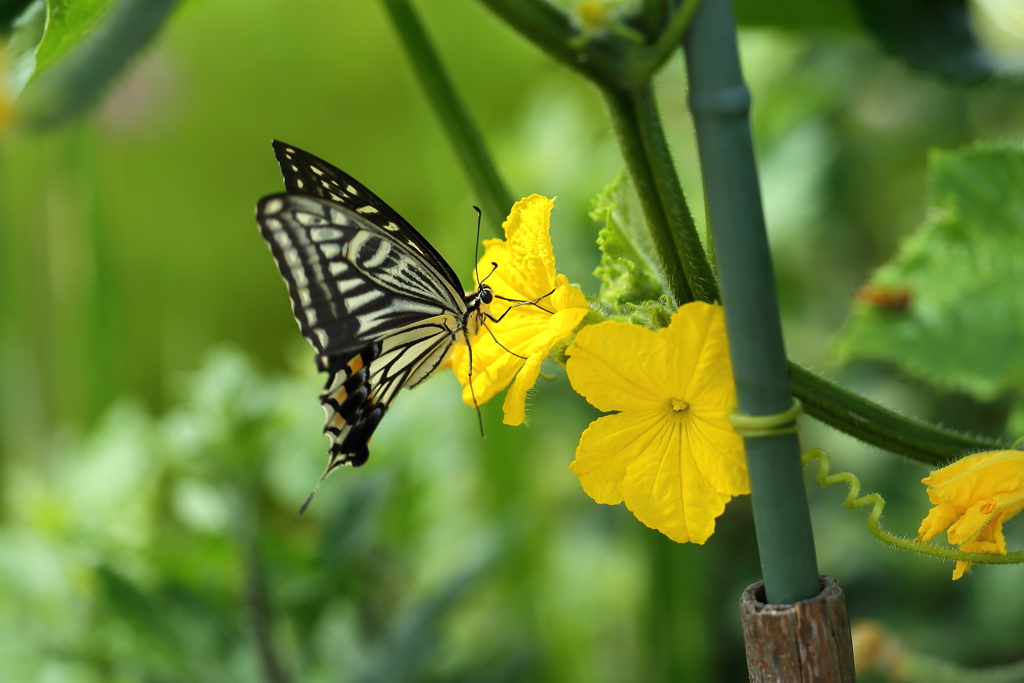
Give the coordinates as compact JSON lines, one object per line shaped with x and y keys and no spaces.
{"x":852,"y":502}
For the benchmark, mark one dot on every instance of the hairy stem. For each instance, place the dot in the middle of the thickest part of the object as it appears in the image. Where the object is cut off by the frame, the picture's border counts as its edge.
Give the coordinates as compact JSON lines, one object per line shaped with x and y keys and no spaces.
{"x":688,"y":248}
{"x":625,"y":114}
{"x":879,"y":426}
{"x":650,"y":61}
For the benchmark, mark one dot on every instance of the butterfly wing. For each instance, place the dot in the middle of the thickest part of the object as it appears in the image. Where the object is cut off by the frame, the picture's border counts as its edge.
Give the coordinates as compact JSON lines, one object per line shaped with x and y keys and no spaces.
{"x":362,"y":386}
{"x":349,"y":282}
{"x":310,"y":175}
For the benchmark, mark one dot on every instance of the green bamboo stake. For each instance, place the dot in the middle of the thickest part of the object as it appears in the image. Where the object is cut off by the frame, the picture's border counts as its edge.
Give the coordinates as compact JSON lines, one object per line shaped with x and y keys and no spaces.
{"x":464,"y":135}
{"x":720,"y":103}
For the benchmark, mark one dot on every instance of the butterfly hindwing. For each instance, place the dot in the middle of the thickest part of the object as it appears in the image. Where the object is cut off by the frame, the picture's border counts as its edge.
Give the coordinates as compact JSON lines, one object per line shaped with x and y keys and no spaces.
{"x":309,"y":175}
{"x":361,"y":386}
{"x":350,"y":284}
{"x":351,"y":414}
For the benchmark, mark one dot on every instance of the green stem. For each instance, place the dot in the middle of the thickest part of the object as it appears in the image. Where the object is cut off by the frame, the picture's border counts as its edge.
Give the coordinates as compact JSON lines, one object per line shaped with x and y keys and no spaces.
{"x":879,"y":426}
{"x":611,"y":63}
{"x":720,"y":103}
{"x":465,"y":137}
{"x":623,"y":108}
{"x":607,"y":59}
{"x":654,"y":57}
{"x":688,"y":247}
{"x":875,"y":500}
{"x":599,"y":58}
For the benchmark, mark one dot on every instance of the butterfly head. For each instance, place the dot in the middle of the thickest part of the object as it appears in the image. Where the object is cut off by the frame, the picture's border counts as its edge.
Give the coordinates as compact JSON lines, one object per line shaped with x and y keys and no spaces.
{"x":485,"y":295}
{"x":477,"y":305}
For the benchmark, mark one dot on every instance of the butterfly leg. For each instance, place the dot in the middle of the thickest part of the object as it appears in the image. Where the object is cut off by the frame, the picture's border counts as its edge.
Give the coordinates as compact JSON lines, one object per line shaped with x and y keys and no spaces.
{"x":518,"y":303}
{"x":491,"y":332}
{"x":472,"y":390}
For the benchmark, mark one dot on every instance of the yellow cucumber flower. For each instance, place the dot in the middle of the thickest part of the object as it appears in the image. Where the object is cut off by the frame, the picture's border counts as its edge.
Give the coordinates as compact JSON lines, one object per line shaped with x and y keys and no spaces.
{"x":973,"y":497}
{"x":669,"y":452}
{"x":525,"y":271}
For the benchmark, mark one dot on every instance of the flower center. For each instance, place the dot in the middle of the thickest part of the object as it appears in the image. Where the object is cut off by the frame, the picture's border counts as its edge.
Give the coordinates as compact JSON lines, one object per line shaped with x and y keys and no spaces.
{"x":679,"y":405}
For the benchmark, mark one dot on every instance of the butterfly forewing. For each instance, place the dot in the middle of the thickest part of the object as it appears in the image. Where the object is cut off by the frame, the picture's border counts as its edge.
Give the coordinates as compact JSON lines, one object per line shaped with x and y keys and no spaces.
{"x":349,"y":284}
{"x":309,"y":175}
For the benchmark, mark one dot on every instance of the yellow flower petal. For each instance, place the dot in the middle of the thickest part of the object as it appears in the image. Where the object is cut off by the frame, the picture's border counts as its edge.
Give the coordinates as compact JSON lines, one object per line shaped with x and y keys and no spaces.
{"x":607,"y":446}
{"x":973,"y":497}
{"x":699,"y":356}
{"x":666,"y":488}
{"x":718,"y":453}
{"x":971,"y":522}
{"x":515,"y":347}
{"x":965,"y":465}
{"x":608,"y":365}
{"x":938,"y":518}
{"x":528,"y":238}
{"x":514,"y":407}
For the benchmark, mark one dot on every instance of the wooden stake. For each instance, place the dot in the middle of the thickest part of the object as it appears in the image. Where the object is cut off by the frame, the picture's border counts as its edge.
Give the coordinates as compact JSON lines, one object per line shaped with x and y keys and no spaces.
{"x":805,"y":642}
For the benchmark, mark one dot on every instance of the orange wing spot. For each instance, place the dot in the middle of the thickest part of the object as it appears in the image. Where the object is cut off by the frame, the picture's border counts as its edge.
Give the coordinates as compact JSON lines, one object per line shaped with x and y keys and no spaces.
{"x":338,"y":422}
{"x":355,"y":365}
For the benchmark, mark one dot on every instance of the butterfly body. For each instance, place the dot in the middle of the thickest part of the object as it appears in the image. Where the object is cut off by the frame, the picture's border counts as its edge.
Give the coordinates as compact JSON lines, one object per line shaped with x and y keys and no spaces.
{"x":379,"y":305}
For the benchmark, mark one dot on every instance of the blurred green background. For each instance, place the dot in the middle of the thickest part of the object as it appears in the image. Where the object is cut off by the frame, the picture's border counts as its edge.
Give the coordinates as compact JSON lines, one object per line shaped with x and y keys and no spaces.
{"x":158,"y":407}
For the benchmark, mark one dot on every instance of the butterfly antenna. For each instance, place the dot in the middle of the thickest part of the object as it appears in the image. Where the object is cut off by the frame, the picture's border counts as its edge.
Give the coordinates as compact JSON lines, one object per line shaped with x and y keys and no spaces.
{"x":476,"y":250}
{"x":494,"y":267}
{"x":316,"y":488}
{"x":472,"y":390}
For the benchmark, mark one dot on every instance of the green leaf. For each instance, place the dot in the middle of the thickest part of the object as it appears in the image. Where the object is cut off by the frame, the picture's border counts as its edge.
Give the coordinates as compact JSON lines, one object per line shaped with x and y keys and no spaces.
{"x":83,"y":49}
{"x":41,"y":33}
{"x":933,"y":35}
{"x":628,"y":270}
{"x":26,"y":32}
{"x":68,"y":23}
{"x":948,"y":308}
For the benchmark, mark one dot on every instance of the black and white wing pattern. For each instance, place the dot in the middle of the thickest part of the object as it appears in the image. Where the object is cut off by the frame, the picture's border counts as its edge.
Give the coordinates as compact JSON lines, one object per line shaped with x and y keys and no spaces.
{"x":378,"y":304}
{"x":309,"y":175}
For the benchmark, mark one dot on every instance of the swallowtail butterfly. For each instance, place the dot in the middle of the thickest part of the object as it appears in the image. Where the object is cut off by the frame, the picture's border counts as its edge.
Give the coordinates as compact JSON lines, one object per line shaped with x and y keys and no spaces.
{"x":380,"y":306}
